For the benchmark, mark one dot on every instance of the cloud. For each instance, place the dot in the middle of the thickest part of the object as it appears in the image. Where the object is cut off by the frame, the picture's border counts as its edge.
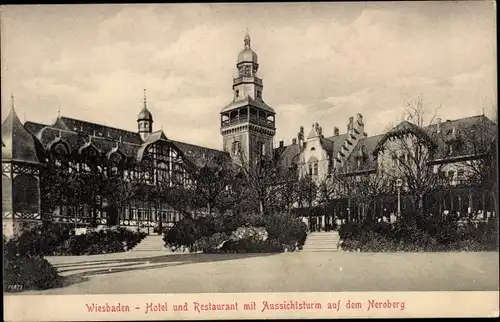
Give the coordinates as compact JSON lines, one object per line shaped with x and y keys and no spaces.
{"x":319,"y":62}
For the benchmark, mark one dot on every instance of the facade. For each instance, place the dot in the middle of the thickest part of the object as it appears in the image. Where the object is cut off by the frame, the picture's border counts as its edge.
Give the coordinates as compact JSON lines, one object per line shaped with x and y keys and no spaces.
{"x":74,"y":146}
{"x":442,"y":161}
{"x":33,"y":154}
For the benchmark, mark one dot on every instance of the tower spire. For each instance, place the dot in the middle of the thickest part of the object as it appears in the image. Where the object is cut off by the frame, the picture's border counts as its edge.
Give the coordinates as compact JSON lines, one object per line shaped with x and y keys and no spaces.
{"x":12,"y":100}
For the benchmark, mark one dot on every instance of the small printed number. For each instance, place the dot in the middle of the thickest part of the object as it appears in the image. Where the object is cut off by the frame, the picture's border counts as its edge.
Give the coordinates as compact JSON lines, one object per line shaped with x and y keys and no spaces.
{"x":16,"y":287}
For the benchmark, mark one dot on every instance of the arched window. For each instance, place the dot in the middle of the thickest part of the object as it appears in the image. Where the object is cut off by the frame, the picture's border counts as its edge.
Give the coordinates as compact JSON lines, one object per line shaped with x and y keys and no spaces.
{"x":59,"y":154}
{"x":315,"y":168}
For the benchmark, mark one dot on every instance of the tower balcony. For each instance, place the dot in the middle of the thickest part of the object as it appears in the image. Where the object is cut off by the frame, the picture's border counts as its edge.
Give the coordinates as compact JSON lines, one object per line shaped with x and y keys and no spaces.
{"x":245,"y":119}
{"x":247,"y":79}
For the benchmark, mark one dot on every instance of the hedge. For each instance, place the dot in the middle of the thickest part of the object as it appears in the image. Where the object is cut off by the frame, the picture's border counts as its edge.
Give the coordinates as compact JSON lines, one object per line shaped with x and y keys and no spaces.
{"x":425,"y":233}
{"x":63,"y":241}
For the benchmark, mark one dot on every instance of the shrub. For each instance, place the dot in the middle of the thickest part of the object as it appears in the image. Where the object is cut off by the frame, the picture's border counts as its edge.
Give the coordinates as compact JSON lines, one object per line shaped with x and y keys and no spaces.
{"x":421,"y":233}
{"x":28,"y":273}
{"x":63,"y":241}
{"x":288,"y":230}
{"x":25,"y":270}
{"x":183,"y":233}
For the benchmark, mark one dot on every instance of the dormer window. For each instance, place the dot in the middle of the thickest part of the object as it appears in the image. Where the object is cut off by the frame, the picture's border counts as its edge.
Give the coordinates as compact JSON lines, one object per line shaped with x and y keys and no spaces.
{"x":394,"y":160}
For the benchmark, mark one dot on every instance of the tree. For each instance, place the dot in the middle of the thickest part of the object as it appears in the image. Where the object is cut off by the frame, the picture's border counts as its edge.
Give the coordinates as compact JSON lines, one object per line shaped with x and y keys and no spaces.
{"x":369,"y":188}
{"x":481,"y":141}
{"x":263,"y":178}
{"x":411,"y":147}
{"x":288,"y":192}
{"x":212,"y":179}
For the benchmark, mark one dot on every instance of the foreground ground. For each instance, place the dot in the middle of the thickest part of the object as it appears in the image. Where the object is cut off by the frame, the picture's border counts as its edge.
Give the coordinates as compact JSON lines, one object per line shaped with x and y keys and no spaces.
{"x":157,"y":272}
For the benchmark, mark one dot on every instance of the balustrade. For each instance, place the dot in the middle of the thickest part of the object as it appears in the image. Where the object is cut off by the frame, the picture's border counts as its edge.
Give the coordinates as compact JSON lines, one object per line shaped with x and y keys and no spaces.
{"x":253,"y":119}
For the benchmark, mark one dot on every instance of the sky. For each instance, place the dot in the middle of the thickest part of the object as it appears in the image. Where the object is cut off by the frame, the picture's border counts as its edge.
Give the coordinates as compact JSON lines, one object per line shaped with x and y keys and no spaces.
{"x":319,"y":62}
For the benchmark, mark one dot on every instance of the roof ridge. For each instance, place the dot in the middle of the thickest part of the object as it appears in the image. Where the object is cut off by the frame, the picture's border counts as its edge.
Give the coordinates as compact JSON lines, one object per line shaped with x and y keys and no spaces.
{"x":199,"y":146}
{"x":104,"y":125}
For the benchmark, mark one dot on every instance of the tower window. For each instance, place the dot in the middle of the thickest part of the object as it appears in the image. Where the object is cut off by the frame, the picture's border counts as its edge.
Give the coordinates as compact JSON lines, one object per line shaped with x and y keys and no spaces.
{"x":315,"y":169}
{"x":259,"y":94}
{"x":237,"y":93}
{"x":248,"y":71}
{"x":236,"y":148}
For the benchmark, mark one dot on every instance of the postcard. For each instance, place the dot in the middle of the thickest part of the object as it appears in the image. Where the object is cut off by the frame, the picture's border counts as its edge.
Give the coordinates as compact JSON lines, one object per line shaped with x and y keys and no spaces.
{"x":249,"y":161}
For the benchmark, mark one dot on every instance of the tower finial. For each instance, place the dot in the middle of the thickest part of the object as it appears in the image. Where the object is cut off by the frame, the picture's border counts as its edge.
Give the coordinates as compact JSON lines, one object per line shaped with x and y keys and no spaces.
{"x":145,"y":102}
{"x":247,"y":39}
{"x":12,"y":100}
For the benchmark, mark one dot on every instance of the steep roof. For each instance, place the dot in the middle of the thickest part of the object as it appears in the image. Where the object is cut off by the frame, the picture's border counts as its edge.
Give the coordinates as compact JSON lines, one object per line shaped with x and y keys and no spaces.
{"x":333,"y":144}
{"x":474,"y":135}
{"x":287,"y":155}
{"x":18,"y":144}
{"x":192,"y":152}
{"x":33,"y":127}
{"x":95,"y":129}
{"x":248,"y":101}
{"x":75,"y":133}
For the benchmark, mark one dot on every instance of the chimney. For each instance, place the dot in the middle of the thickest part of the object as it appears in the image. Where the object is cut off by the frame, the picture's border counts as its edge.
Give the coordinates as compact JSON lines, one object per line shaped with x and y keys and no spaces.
{"x":335,"y":131}
{"x":281,"y":144}
{"x":294,"y":141}
{"x":438,"y":125}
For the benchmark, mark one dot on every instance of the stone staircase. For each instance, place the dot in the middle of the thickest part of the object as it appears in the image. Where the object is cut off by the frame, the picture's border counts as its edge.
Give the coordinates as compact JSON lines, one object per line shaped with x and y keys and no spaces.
{"x":322,"y":242}
{"x":150,"y":243}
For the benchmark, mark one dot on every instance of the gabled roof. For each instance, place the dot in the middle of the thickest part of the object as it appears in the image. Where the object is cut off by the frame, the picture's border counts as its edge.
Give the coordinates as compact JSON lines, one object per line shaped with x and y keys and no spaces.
{"x":18,"y":144}
{"x":474,"y":135}
{"x":364,"y":150}
{"x":259,"y":103}
{"x":402,"y":128}
{"x":156,"y":136}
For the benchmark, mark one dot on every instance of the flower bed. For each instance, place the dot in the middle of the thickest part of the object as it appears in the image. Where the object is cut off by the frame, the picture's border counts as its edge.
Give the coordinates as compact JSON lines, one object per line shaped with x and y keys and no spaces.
{"x":278,"y":233}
